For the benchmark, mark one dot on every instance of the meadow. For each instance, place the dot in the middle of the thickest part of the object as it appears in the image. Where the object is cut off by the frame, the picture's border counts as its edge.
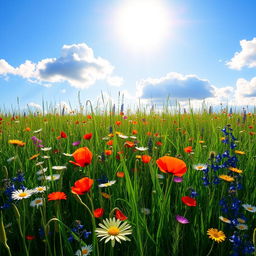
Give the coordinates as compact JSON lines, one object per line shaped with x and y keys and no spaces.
{"x":123,"y":183}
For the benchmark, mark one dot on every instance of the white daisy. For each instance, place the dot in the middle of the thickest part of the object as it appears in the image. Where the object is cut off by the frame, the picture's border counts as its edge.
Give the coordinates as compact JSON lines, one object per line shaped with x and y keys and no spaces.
{"x":108,"y":184}
{"x":133,"y":137}
{"x":46,"y":149}
{"x":67,"y":154}
{"x":59,"y":168}
{"x":45,"y":157}
{"x":105,"y":138}
{"x":40,"y":172}
{"x":21,"y":194}
{"x":11,"y":159}
{"x":242,"y":227}
{"x":240,"y":220}
{"x":53,"y":177}
{"x":141,"y":148}
{"x":249,"y":207}
{"x":39,"y":163}
{"x":113,"y":230}
{"x":36,"y":202}
{"x":226,"y":220}
{"x":122,"y":136}
{"x":37,"y":131}
{"x":200,"y":167}
{"x":39,"y":189}
{"x":84,"y":251}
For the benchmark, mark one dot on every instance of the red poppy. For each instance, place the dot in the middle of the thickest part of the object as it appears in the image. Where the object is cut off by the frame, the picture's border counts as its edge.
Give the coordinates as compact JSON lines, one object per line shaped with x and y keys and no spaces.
{"x":88,"y":136}
{"x":120,"y":215}
{"x":129,"y":144}
{"x":168,"y":164}
{"x":189,"y":201}
{"x":82,"y":186}
{"x":57,"y":196}
{"x":28,"y":237}
{"x":110,"y":143}
{"x":134,"y":132}
{"x":145,"y":159}
{"x":188,"y":149}
{"x":159,"y":143}
{"x":119,"y":155}
{"x":98,"y":212}
{"x":120,"y":174}
{"x":108,"y":152}
{"x":118,"y":123}
{"x":82,"y":156}
{"x":63,"y":135}
{"x":89,"y":117}
{"x":149,"y":133}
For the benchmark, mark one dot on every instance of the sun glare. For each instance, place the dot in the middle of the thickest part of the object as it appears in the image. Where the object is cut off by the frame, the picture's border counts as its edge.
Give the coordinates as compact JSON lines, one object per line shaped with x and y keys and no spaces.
{"x":143,"y":24}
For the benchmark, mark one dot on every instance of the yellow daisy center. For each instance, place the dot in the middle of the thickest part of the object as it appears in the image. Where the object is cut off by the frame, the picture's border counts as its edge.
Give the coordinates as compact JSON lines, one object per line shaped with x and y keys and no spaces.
{"x":113,"y":231}
{"x":23,"y":194}
{"x":38,"y":201}
{"x":84,"y":251}
{"x":249,"y":208}
{"x":200,"y":167}
{"x":40,"y":189}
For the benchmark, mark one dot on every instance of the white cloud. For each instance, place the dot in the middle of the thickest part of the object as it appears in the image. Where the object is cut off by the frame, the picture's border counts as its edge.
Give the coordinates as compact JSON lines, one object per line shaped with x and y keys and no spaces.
{"x":34,"y":105}
{"x":5,"y":68}
{"x":176,"y":86}
{"x":190,"y":90}
{"x":115,"y":80}
{"x":77,"y":66}
{"x":246,"y":57}
{"x":246,"y":88}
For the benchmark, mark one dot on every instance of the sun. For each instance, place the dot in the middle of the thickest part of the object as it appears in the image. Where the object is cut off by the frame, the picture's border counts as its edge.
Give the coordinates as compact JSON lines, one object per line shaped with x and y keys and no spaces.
{"x":143,"y":24}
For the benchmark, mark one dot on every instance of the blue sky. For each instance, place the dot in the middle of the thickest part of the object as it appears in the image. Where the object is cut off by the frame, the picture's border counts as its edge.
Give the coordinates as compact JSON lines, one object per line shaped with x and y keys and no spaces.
{"x":52,"y":51}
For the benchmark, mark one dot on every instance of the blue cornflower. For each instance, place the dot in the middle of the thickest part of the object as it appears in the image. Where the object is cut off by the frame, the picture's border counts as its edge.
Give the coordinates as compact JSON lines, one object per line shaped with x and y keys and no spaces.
{"x":103,"y":179}
{"x":216,"y":180}
{"x":248,"y":248}
{"x":225,"y":154}
{"x":193,"y":193}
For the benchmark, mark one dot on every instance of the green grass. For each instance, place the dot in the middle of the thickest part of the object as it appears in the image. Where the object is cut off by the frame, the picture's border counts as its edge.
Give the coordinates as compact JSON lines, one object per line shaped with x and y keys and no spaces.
{"x":157,"y":233}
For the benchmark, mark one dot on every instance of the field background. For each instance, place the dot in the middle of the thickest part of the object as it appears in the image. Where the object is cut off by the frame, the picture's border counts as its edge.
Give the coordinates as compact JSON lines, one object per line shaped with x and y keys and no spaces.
{"x":156,"y":233}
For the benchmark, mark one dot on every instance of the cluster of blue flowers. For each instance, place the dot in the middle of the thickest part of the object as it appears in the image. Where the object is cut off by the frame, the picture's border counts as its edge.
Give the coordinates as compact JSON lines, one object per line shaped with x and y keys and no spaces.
{"x":231,"y":205}
{"x":221,"y":161}
{"x":9,"y":186}
{"x":79,"y":230}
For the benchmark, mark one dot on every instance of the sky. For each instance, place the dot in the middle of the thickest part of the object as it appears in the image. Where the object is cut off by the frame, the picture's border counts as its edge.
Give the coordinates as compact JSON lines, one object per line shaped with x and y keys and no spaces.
{"x":147,"y":50}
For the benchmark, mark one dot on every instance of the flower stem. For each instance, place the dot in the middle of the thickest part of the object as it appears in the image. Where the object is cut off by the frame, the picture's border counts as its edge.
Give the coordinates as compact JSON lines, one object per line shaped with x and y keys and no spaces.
{"x":254,"y":239}
{"x":210,"y":249}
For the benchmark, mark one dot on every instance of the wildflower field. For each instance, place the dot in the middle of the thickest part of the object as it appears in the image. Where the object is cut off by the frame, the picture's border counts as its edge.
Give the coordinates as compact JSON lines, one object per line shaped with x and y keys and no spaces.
{"x":128,"y":184}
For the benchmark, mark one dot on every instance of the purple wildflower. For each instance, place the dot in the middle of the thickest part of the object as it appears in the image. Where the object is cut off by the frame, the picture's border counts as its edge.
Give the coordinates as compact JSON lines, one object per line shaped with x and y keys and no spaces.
{"x":182,"y":219}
